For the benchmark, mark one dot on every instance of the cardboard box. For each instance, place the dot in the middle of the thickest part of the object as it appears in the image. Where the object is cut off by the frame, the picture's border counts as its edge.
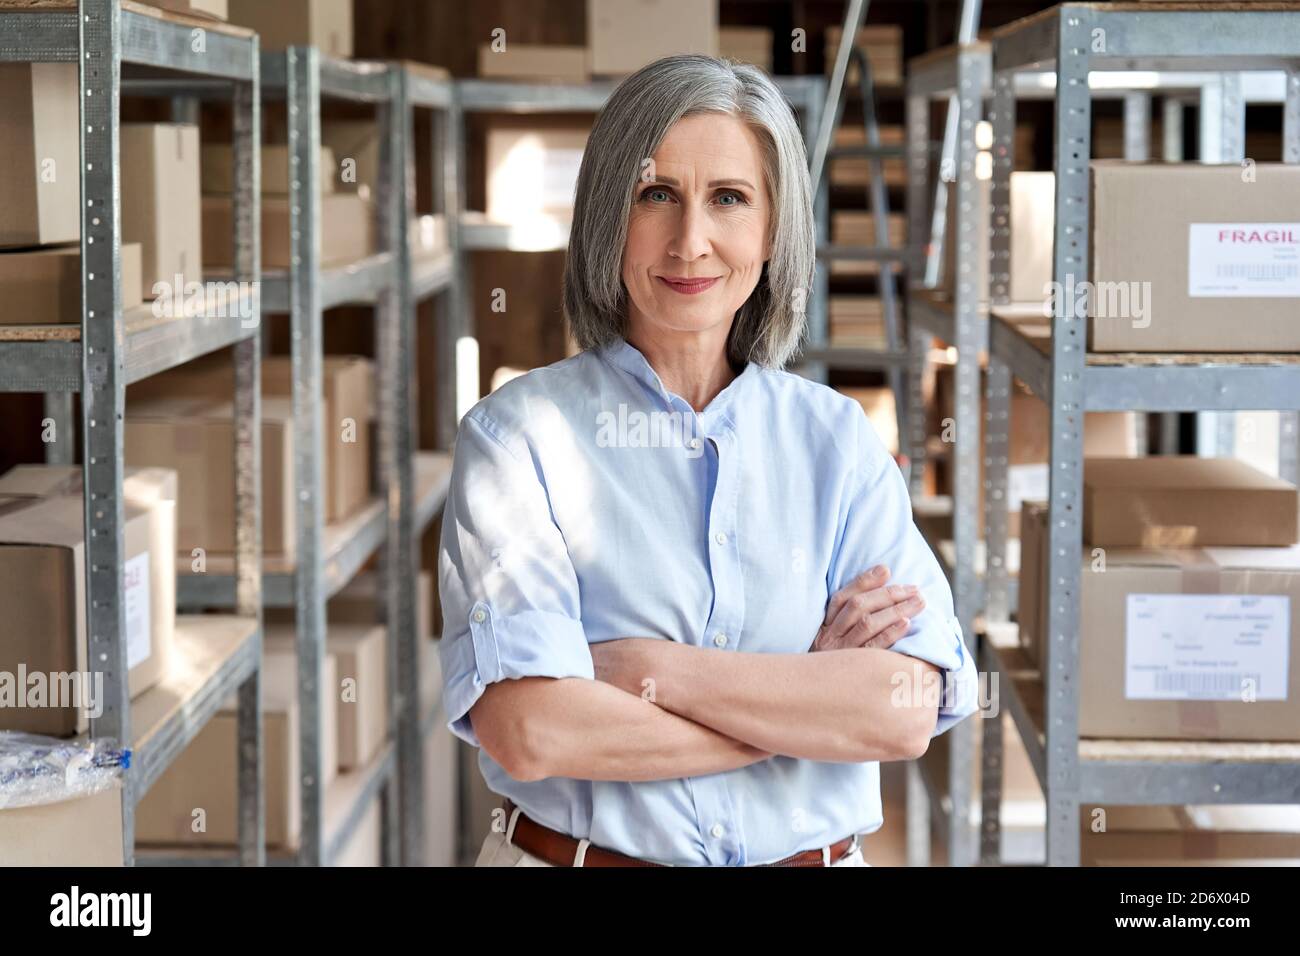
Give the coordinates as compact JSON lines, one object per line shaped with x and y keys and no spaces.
{"x":218,"y":161}
{"x":347,"y":231}
{"x":208,"y":9}
{"x":752,"y":45}
{"x":883,"y":45}
{"x":1211,"y":252}
{"x":532,"y":170}
{"x":43,"y":592}
{"x":160,"y":202}
{"x":358,"y":604}
{"x":346,"y":412}
{"x":83,"y":831}
{"x":1227,"y":835}
{"x":856,"y":171}
{"x":360,"y":652}
{"x":153,"y":489}
{"x":205,"y":776}
{"x":625,"y":35}
{"x":858,"y":321}
{"x":427,"y":235}
{"x":1033,"y":212}
{"x":858,"y":228}
{"x":534,"y":61}
{"x":40,"y":153}
{"x":195,"y":437}
{"x":1179,"y":501}
{"x":878,"y":403}
{"x":1168,"y":638}
{"x":43,"y":286}
{"x":1032,"y":613}
{"x":355,"y":145}
{"x":326,"y":24}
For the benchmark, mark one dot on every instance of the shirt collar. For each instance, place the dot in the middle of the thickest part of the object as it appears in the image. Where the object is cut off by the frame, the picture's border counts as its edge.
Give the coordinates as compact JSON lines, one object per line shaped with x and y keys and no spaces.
{"x":623,"y":355}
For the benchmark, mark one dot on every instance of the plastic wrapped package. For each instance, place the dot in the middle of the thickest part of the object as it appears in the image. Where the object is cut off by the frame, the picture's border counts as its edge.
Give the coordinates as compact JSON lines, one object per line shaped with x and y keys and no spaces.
{"x":36,"y":770}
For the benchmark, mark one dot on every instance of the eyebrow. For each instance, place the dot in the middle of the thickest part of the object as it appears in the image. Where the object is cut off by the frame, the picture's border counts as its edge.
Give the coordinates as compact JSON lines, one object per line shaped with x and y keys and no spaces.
{"x":669,"y":181}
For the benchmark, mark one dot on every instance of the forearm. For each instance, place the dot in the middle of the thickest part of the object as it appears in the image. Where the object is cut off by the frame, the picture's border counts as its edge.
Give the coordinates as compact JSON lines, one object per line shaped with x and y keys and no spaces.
{"x":590,"y":730}
{"x":839,"y":705}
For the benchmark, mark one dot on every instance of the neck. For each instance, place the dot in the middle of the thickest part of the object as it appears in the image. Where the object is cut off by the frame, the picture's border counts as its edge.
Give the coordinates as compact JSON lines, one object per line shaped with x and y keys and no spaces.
{"x":693,"y":365}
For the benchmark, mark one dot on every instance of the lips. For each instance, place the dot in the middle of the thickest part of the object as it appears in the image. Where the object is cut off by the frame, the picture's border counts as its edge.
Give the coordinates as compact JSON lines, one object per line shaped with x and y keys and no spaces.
{"x":688,"y":286}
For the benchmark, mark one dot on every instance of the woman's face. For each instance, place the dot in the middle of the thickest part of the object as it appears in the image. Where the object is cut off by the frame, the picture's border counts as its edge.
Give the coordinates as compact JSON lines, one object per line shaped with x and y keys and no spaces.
{"x":697,"y":232}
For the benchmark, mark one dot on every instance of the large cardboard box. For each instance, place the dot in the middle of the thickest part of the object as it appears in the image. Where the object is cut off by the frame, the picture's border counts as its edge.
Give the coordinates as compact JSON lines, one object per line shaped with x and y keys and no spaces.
{"x":625,"y":35}
{"x":205,"y":776}
{"x":752,"y":45}
{"x":160,"y":202}
{"x":1214,"y":835}
{"x":209,"y":9}
{"x":360,"y":653}
{"x":355,"y":145}
{"x":43,"y":286}
{"x":195,"y":437}
{"x":532,"y":169}
{"x":883,"y":45}
{"x":1181,"y":501}
{"x":43,"y":592}
{"x":40,"y":153}
{"x":858,"y":321}
{"x":858,"y":228}
{"x":347,"y":231}
{"x":1211,"y":251}
{"x":1173,"y":642}
{"x":359,"y":604}
{"x":534,"y":61}
{"x":346,"y":412}
{"x":218,"y":161}
{"x":83,"y":831}
{"x":856,"y":171}
{"x":1033,"y":212}
{"x":326,"y":24}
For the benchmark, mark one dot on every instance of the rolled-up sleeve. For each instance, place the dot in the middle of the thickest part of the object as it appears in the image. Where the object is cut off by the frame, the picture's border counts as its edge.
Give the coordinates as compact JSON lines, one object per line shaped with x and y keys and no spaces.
{"x":508,"y":589}
{"x":878,"y":529}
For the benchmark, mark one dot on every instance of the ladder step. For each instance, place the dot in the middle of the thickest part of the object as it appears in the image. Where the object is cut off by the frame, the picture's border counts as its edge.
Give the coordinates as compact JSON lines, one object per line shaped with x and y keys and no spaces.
{"x":867,"y":152}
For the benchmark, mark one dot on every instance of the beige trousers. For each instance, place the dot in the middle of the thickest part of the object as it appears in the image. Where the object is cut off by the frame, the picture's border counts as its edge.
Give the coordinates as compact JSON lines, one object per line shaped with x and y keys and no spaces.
{"x":497,"y":851}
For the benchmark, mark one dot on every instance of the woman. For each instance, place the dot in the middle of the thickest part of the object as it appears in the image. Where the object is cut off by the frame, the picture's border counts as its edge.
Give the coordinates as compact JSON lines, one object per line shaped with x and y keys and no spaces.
{"x":664,"y":560}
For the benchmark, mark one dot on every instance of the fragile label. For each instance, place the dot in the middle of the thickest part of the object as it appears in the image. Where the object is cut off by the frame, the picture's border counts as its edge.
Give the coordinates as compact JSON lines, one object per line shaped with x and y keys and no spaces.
{"x":1243,"y":259}
{"x":135,"y":602}
{"x":1207,"y":647}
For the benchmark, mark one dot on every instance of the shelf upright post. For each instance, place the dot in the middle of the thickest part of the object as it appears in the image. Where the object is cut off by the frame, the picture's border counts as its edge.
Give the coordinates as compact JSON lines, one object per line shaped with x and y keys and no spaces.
{"x":454,"y":319}
{"x":302,"y":95}
{"x":248,"y":453}
{"x":1288,"y":445}
{"x":917,"y":117}
{"x":103,"y":403}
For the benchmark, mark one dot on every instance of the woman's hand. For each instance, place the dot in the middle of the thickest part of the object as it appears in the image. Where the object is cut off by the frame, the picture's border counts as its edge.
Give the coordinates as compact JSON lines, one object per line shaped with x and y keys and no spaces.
{"x":627,"y":663}
{"x":868,"y":613}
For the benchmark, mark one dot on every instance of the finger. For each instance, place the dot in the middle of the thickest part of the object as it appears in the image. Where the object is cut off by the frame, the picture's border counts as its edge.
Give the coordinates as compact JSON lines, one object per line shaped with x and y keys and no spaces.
{"x":882,"y":620}
{"x":886,"y":639}
{"x":866,"y":581}
{"x":859,"y":607}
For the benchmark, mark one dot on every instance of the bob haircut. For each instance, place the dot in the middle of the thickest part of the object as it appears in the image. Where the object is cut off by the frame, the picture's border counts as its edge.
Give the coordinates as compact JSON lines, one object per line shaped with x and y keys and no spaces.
{"x":768,"y":329}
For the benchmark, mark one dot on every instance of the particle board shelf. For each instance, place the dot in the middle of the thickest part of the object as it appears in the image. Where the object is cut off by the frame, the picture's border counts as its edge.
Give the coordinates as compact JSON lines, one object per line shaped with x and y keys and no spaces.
{"x":213,"y":655}
{"x":141,"y":9}
{"x":47,"y":358}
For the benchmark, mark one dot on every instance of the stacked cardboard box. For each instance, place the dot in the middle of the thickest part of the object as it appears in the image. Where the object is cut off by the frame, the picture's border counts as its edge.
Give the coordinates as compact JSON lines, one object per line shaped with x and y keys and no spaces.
{"x":883,"y":45}
{"x":856,"y":171}
{"x":1214,"y":835}
{"x":858,"y":228}
{"x":39,"y":154}
{"x":161,"y":204}
{"x":325,"y":24}
{"x":532,"y":167}
{"x":208,"y":9}
{"x":1190,"y":571}
{"x":43,"y":286}
{"x":42,"y":587}
{"x":625,"y":35}
{"x":196,"y":803}
{"x":752,"y":45}
{"x":83,"y":831}
{"x":857,"y":321}
{"x":533,"y":61}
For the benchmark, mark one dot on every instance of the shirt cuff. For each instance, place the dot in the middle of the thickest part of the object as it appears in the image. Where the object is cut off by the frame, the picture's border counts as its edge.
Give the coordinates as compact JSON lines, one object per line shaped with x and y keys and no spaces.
{"x":958,"y":679}
{"x":526,"y":644}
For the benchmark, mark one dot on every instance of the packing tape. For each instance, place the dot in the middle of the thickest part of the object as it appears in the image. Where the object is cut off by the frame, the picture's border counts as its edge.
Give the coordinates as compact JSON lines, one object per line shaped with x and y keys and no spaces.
{"x":1201,"y":574}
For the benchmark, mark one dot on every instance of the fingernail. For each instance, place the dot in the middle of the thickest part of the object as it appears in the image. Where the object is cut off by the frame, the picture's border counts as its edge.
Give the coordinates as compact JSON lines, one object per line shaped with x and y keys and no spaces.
{"x":878,"y":570}
{"x":912,"y":588}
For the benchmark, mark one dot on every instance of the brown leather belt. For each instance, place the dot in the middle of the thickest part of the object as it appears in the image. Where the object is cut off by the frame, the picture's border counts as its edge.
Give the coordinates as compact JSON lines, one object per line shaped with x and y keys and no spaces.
{"x":560,"y":849}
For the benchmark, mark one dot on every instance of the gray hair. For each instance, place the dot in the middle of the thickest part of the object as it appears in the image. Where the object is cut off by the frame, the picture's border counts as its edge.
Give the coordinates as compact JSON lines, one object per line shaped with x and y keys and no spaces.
{"x":769,"y":327}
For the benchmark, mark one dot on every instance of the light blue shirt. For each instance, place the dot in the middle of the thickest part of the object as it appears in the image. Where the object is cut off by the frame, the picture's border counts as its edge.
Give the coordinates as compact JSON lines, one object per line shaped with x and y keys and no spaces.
{"x":589,"y":503}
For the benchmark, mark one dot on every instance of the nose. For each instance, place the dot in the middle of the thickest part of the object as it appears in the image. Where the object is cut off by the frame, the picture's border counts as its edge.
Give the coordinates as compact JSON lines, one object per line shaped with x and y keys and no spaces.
{"x":690,"y":240}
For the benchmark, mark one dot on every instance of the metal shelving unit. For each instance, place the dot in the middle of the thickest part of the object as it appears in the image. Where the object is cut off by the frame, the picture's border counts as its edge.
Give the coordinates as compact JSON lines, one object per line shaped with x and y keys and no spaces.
{"x":217,"y":655}
{"x":1071,"y":381}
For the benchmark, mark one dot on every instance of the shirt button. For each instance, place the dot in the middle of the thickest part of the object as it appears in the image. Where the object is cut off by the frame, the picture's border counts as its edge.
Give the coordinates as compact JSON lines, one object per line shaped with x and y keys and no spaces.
{"x":720,"y":538}
{"x":479,"y":616}
{"x":717,"y":831}
{"x":693,"y":444}
{"x":720,"y":640}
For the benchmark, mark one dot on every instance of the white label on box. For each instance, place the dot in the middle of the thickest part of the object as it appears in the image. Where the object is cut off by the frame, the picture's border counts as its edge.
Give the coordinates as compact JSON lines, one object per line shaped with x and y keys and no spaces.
{"x":135,"y":598}
{"x":560,"y":177}
{"x":1243,"y":259}
{"x":1026,"y":482}
{"x":1206,"y":646}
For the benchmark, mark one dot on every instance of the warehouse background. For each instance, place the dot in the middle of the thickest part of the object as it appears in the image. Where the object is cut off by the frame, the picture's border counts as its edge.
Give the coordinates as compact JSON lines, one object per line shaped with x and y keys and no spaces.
{"x":519,"y":166}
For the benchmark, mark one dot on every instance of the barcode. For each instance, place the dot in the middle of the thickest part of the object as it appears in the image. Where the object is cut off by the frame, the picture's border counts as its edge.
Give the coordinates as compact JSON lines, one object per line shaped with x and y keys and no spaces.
{"x":1215,"y":683}
{"x":1271,"y":271}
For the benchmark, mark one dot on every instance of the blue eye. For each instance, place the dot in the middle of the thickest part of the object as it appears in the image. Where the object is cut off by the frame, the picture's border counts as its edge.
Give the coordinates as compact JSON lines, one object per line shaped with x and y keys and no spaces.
{"x":651,"y":193}
{"x":734,"y":196}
